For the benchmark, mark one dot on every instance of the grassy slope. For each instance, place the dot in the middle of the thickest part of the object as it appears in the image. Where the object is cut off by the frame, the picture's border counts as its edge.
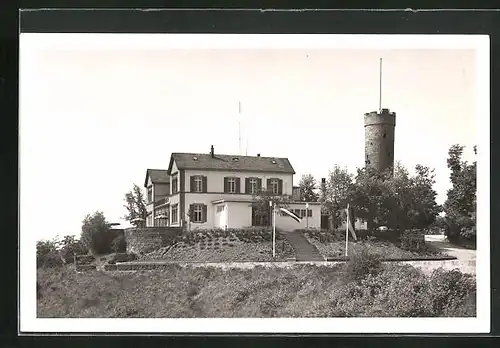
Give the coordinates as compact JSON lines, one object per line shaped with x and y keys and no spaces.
{"x":304,"y":291}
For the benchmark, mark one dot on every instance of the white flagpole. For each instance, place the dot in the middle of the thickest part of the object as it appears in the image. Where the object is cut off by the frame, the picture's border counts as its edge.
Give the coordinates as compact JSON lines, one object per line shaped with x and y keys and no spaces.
{"x":239,"y":126}
{"x":274,"y":231}
{"x":347,"y":231}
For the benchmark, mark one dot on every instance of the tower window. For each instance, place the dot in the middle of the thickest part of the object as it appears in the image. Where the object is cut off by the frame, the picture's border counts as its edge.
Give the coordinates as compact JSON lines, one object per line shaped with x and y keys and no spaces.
{"x":384,"y":135}
{"x":371,"y":143}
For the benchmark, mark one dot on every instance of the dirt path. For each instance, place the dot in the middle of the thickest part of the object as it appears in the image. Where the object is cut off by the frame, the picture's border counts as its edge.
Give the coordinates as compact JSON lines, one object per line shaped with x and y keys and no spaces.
{"x":462,"y":254}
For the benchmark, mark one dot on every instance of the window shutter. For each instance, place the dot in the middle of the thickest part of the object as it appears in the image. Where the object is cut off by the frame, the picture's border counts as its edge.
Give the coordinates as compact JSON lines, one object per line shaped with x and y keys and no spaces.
{"x":238,"y":185}
{"x":259,"y":185}
{"x":280,"y":187}
{"x":191,"y":183}
{"x":247,"y":185}
{"x":191,"y":212}
{"x":204,"y":184}
{"x":269,"y":188}
{"x":225,"y":185}
{"x":204,"y":217}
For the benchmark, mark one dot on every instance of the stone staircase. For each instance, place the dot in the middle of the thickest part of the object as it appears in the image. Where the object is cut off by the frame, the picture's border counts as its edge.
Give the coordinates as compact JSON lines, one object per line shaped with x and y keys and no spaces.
{"x":304,"y":251}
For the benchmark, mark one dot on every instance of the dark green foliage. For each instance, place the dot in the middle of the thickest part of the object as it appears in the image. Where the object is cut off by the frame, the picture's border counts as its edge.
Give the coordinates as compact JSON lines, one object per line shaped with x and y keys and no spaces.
{"x":450,"y":290}
{"x":96,"y":234}
{"x":308,"y":187}
{"x":460,"y":205}
{"x":335,"y":195}
{"x":122,"y":257}
{"x":119,"y":244}
{"x":398,"y":201}
{"x":135,"y":205}
{"x":85,"y":259}
{"x":47,"y":254}
{"x":362,"y":263}
{"x":69,"y":247}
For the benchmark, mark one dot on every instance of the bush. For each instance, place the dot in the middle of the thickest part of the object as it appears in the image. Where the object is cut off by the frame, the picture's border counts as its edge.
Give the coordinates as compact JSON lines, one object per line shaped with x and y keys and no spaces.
{"x":119,"y":244}
{"x":84,"y":259}
{"x":122,"y":257}
{"x":96,"y":233}
{"x":47,"y":254}
{"x":451,"y":290}
{"x":70,"y":247}
{"x":363,"y":263}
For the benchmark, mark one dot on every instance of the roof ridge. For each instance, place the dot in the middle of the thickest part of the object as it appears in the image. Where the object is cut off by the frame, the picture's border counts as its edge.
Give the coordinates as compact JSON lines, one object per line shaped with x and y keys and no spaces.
{"x":228,"y":155}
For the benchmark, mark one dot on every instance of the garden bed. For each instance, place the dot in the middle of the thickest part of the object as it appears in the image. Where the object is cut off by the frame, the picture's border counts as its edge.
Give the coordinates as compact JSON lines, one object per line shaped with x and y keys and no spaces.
{"x":224,"y":246}
{"x":332,"y":247}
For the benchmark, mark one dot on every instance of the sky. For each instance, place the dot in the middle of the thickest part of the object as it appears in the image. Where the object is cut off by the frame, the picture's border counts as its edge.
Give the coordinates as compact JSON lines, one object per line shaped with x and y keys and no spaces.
{"x":94,"y":118}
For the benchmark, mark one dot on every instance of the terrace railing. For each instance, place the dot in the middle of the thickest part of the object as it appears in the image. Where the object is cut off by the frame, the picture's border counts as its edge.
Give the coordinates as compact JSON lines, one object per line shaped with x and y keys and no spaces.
{"x":161,"y":201}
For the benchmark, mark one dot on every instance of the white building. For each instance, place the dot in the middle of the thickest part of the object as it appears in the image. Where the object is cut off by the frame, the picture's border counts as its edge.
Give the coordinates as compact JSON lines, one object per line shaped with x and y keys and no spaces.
{"x":219,"y":190}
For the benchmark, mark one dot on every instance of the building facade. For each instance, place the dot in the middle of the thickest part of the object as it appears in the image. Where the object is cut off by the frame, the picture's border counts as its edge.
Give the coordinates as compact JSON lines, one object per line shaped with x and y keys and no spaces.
{"x":217,"y":191}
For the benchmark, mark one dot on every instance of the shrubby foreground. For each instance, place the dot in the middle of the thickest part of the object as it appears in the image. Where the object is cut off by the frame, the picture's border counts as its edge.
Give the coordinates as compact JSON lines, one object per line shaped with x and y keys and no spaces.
{"x":362,"y":288}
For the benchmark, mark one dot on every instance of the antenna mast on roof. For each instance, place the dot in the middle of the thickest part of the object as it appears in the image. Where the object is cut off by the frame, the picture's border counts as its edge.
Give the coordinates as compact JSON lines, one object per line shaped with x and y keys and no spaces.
{"x":380,"y":87}
{"x":239,"y":126}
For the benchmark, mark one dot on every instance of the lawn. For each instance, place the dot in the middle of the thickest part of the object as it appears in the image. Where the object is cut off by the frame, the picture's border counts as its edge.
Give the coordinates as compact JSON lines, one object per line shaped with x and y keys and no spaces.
{"x":222,"y":246}
{"x":297,"y":291}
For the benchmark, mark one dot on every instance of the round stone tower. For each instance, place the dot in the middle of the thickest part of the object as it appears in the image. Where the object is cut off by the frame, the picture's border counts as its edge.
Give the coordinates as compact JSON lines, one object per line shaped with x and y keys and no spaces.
{"x":379,"y":139}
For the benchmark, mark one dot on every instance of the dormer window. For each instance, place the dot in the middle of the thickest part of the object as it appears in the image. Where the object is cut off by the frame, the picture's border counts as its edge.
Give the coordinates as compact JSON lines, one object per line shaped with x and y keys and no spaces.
{"x":236,"y":159}
{"x":273,"y":161}
{"x":195,"y":158}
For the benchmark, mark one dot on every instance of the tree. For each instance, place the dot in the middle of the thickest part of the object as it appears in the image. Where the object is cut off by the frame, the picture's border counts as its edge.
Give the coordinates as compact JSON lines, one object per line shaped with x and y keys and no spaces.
{"x":69,"y":246}
{"x":96,"y":234}
{"x":135,"y":205}
{"x":308,"y":188}
{"x":336,"y":194}
{"x":261,"y":206}
{"x":460,"y":205}
{"x":399,"y":201}
{"x":47,"y":254}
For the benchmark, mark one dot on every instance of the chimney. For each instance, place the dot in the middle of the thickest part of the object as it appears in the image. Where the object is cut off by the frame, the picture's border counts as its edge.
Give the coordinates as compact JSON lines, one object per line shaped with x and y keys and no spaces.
{"x":258,"y":155}
{"x":212,"y":151}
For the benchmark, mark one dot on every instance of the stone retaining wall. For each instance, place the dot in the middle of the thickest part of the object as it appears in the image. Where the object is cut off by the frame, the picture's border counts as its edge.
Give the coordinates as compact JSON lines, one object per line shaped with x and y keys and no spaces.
{"x":145,"y":239}
{"x":426,"y":266}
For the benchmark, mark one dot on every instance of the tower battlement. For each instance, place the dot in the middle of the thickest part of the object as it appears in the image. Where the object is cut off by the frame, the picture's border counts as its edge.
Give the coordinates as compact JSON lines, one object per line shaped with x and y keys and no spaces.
{"x":384,"y":117}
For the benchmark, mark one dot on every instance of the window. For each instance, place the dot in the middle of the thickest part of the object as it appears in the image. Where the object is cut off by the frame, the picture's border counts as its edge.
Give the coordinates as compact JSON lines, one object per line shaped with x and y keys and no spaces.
{"x":161,"y":217}
{"x":253,"y":185}
{"x":275,"y":186}
{"x":220,"y":208}
{"x":198,"y":184}
{"x":198,"y":213}
{"x":309,"y":212}
{"x":150,"y":194}
{"x":174,"y":185}
{"x":231,"y":185}
{"x":174,"y":213}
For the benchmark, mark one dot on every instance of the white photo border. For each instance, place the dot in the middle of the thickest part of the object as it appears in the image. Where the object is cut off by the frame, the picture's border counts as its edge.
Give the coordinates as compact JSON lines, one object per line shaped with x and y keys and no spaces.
{"x":28,"y":322}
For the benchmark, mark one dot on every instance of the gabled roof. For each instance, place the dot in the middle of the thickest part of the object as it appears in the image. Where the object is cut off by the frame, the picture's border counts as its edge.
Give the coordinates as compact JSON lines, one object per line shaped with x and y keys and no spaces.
{"x":230,"y":163}
{"x":158,"y":176}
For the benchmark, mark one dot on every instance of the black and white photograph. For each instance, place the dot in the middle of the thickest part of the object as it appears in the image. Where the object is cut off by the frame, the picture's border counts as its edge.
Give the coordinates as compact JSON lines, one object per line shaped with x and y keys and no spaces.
{"x":254,"y":183}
